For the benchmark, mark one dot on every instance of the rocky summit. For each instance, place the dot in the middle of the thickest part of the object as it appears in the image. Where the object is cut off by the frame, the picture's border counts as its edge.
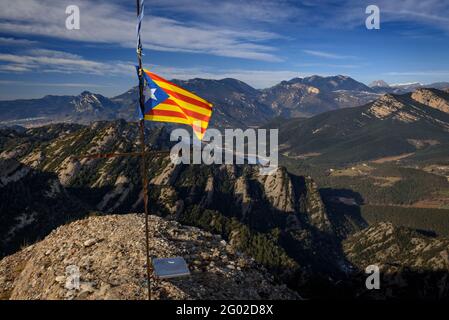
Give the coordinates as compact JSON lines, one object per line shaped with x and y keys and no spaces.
{"x":110,"y":254}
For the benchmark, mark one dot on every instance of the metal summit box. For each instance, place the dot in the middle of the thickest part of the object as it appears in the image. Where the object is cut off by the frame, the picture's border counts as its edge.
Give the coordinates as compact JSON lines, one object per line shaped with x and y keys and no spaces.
{"x":165,"y":268}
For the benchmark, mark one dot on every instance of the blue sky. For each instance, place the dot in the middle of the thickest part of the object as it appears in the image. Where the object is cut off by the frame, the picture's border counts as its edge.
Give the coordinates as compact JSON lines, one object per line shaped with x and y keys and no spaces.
{"x":260,"y":42}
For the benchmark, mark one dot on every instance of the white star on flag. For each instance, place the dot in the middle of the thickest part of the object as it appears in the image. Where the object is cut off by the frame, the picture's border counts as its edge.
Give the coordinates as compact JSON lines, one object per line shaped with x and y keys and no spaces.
{"x":153,"y":97}
{"x":150,"y":94}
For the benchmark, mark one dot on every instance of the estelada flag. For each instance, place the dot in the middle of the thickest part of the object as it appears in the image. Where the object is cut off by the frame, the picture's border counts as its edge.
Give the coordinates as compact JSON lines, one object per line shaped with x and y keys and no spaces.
{"x":168,"y":102}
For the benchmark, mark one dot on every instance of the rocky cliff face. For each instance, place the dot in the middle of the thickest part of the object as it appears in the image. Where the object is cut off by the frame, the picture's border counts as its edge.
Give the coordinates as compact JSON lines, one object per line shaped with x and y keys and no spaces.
{"x":109,"y":253}
{"x":389,"y":107}
{"x":433,"y":98}
{"x":407,"y":110}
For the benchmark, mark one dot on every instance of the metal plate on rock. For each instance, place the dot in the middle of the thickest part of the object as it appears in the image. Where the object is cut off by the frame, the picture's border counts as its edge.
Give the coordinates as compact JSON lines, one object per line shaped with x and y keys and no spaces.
{"x":165,"y":268}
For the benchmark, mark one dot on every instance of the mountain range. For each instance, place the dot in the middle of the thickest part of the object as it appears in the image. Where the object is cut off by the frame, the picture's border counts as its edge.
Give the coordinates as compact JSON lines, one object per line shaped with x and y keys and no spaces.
{"x":236,"y":104}
{"x":79,"y":109}
{"x":313,"y":238}
{"x":303,"y":97}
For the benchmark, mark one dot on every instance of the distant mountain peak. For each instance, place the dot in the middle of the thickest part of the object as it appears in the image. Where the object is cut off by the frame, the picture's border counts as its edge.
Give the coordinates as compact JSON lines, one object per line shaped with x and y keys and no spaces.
{"x":335,"y":83}
{"x":314,"y":76}
{"x":379,"y":84}
{"x":91,"y":103}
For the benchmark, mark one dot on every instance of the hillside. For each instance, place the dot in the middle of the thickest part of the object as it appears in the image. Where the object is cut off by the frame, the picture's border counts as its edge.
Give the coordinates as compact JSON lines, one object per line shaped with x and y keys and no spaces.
{"x":109,"y":252}
{"x":412,"y":265}
{"x":394,"y":125}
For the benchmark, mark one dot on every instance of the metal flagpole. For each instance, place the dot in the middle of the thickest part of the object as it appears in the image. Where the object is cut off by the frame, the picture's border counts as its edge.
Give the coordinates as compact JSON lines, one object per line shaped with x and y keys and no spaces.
{"x":140,"y":12}
{"x":143,"y":152}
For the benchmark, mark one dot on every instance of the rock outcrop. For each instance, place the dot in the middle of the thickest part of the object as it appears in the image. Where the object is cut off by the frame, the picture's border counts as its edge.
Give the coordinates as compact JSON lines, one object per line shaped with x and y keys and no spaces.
{"x":433,"y":98}
{"x":388,"y":106}
{"x":109,"y":254}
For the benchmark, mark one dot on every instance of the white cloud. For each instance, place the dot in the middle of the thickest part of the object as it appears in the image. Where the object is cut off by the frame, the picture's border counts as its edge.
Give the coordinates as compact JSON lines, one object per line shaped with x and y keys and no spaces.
{"x":60,"y":62}
{"x":54,"y":84}
{"x":230,"y":11}
{"x":14,"y":68}
{"x":351,"y":13}
{"x":52,"y":61}
{"x":327,"y":55}
{"x":111,"y":23}
{"x":420,"y":73}
{"x":328,"y":65}
{"x":8,"y":41}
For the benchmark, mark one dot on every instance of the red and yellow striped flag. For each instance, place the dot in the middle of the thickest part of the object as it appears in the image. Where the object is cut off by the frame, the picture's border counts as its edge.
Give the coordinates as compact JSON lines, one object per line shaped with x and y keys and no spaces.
{"x":169,"y":102}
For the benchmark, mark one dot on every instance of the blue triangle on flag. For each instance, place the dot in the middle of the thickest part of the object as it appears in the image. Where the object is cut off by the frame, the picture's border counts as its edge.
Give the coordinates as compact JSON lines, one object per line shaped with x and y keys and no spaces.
{"x":153,"y":94}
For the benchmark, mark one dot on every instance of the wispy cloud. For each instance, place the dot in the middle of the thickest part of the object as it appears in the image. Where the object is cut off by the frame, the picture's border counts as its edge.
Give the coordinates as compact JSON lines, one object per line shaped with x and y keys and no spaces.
{"x":328,"y":65}
{"x":109,"y":22}
{"x":431,"y":12}
{"x":231,"y":11}
{"x":7,"y":41}
{"x":44,"y":60}
{"x":350,"y":14}
{"x":419,"y":73}
{"x":82,"y":85}
{"x":53,"y":61}
{"x":14,"y":68}
{"x":327,"y":55}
